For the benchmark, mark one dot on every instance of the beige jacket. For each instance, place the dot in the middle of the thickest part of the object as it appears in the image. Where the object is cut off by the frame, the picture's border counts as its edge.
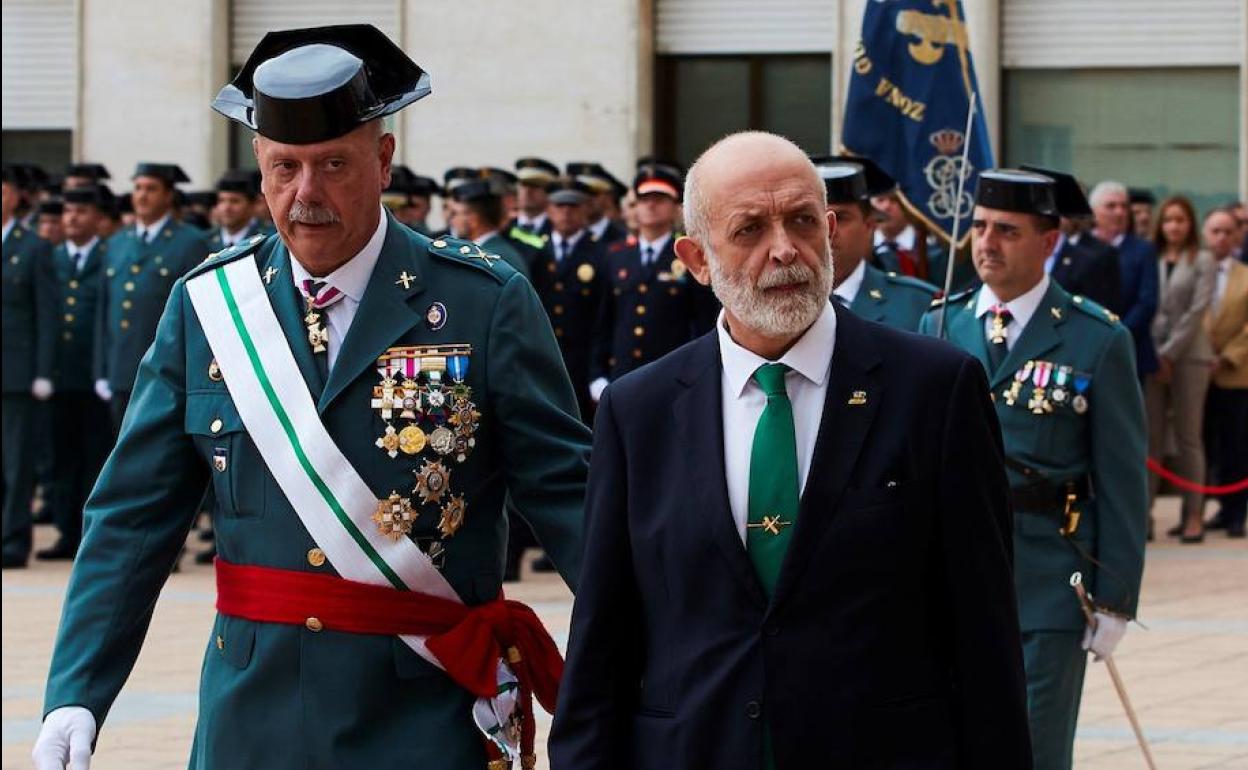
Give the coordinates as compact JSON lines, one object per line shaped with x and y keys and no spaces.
{"x":1227,"y":327}
{"x":1184,"y":299}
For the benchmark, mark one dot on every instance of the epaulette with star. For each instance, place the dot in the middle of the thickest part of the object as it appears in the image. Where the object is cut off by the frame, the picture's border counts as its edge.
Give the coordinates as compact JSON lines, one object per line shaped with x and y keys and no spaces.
{"x":1099,"y":312}
{"x":218,"y":258}
{"x":954,"y":298}
{"x":470,"y":254}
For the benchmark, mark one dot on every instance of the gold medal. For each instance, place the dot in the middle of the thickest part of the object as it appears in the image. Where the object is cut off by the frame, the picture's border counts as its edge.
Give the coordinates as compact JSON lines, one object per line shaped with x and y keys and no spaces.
{"x":678,"y":269}
{"x":412,"y":440}
{"x":452,"y":516}
{"x":432,"y":481}
{"x":394,"y":516}
{"x":585,"y":272}
{"x":389,"y":442}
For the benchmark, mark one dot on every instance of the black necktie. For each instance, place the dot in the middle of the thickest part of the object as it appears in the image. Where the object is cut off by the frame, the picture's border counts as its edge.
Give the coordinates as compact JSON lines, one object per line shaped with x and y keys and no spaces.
{"x":647,"y":255}
{"x":841,"y":301}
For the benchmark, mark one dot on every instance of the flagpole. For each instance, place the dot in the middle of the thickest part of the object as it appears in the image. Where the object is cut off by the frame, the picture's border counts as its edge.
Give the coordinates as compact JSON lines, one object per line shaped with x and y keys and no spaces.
{"x":957,"y":213}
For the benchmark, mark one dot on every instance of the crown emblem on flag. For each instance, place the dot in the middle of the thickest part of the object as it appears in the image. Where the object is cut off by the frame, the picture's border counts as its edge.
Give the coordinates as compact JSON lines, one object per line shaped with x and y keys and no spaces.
{"x":947,"y":141}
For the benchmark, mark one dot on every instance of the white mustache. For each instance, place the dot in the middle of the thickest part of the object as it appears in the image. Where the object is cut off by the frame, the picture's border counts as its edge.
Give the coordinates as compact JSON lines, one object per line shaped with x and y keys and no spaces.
{"x":786,"y":275}
{"x":303,"y":214}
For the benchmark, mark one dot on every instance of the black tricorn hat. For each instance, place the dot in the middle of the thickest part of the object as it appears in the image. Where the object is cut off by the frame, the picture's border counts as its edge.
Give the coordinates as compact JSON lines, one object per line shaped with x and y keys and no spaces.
{"x":485,"y":188}
{"x":204,"y":198}
{"x":170,"y":173}
{"x":1141,"y":195}
{"x":1007,"y":189}
{"x":92,"y":195}
{"x":400,"y":179}
{"x":237,"y":181}
{"x":303,"y":86}
{"x":423,"y":186}
{"x":92,"y":171}
{"x":52,"y":206}
{"x":1067,"y":194}
{"x":879,"y":182}
{"x":845,"y":182}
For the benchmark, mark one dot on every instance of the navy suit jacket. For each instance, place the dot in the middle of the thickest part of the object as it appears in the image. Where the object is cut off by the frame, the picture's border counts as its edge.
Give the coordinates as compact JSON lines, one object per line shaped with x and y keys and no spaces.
{"x":1090,"y":268}
{"x":891,"y":640}
{"x":1140,"y":289}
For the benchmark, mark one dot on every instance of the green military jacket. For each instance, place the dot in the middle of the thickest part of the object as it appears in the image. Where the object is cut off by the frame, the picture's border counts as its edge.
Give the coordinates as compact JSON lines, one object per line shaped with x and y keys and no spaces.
{"x":894,"y":300}
{"x":29,"y":310}
{"x":335,"y":700}
{"x":497,"y":244}
{"x":1097,"y":428}
{"x":77,"y":304}
{"x":216,"y":242}
{"x":137,"y":282}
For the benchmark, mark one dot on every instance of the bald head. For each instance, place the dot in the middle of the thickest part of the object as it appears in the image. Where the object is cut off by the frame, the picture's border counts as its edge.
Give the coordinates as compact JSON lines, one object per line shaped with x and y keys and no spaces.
{"x":740,"y":161}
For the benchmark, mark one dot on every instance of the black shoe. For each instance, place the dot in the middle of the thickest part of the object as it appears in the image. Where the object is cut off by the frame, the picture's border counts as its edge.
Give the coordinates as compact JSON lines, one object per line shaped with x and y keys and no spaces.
{"x":1216,"y":522}
{"x":13,"y":561}
{"x":62,"y":551}
{"x":1236,"y":531}
{"x":206,"y":557}
{"x":1175,"y":531}
{"x":1191,"y":539}
{"x":543,"y":564}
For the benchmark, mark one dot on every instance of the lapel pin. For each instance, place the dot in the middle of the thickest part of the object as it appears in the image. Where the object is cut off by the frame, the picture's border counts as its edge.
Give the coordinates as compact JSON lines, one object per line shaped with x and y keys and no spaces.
{"x":859,"y":398}
{"x":405,"y":279}
{"x":1057,"y":313}
{"x":435,"y":316}
{"x":876,"y":294}
{"x":269,"y":272}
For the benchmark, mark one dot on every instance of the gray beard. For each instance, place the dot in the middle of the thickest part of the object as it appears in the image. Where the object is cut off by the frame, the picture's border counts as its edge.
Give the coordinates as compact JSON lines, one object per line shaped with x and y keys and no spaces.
{"x":783,"y":317}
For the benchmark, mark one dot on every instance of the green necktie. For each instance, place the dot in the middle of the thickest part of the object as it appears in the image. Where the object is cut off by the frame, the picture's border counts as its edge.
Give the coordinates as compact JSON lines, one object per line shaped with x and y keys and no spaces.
{"x":774,"y":488}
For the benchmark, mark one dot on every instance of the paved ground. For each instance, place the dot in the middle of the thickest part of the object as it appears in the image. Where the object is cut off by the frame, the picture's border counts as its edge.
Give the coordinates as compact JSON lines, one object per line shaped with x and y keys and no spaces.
{"x":1187,"y":674}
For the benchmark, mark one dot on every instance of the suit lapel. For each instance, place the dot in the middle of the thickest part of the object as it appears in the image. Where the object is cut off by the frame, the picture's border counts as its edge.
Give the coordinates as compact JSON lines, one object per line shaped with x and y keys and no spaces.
{"x":843,"y":431}
{"x":699,"y":416}
{"x":383,"y":316}
{"x":1039,"y":336}
{"x":287,"y":304}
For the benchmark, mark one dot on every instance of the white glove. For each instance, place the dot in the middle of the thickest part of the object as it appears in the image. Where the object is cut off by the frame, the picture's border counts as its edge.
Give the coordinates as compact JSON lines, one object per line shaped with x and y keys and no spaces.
{"x":66,"y":737}
{"x":597,"y":387}
{"x":41,"y":388}
{"x":1104,"y":634}
{"x":103,"y":391}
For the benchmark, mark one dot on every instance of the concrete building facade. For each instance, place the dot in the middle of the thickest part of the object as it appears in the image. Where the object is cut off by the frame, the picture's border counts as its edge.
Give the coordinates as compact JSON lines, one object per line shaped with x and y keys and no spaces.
{"x":1148,"y":91}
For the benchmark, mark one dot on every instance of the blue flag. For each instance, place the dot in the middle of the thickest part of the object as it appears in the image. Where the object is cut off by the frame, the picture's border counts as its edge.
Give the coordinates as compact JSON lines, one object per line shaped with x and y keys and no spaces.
{"x":908,"y":97}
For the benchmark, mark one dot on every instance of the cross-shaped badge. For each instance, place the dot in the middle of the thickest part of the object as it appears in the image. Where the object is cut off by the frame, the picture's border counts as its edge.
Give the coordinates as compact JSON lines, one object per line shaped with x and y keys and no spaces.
{"x":483,"y":256}
{"x":269,"y":273}
{"x":770,"y":524}
{"x":384,"y":399}
{"x":405,"y":279}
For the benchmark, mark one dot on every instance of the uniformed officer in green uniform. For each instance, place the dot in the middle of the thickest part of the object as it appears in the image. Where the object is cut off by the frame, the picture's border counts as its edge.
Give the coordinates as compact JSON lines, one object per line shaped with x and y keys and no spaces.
{"x":235,"y":210}
{"x":1062,"y":373}
{"x":29,"y":323}
{"x":80,"y":426}
{"x":888,"y":298}
{"x":477,"y":210}
{"x":143,"y":263}
{"x":421,"y":374}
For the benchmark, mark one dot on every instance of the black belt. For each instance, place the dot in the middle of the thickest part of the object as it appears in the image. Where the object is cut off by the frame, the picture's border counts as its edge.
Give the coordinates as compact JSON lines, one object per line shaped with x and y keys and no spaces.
{"x":1048,"y":498}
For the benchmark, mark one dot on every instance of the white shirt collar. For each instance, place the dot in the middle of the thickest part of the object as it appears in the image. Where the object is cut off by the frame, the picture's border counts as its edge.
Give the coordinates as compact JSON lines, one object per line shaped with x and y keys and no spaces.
{"x":75,"y":251}
{"x":810,"y":356}
{"x":154,"y":229}
{"x":8,"y":227}
{"x":572,"y":239}
{"x":536,"y":222}
{"x":352,"y":277}
{"x":481,"y":239}
{"x":656,"y":246}
{"x":600,"y":227}
{"x":230,"y":238}
{"x":1117,"y":242}
{"x":849,"y":288}
{"x":1021,"y":308}
{"x":904,"y":239}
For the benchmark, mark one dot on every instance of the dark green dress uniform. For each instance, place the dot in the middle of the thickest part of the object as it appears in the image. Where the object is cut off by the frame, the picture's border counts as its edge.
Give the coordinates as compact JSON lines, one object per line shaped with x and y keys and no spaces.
{"x":137,"y":281}
{"x":497,"y":244}
{"x":216,"y":236}
{"x":29,"y":327}
{"x":281,"y":696}
{"x":81,"y":428}
{"x":1072,"y":419}
{"x":894,"y":300}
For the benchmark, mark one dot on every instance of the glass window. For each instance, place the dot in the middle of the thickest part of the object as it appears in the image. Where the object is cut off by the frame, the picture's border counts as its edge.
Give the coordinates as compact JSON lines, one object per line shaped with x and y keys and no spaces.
{"x":51,"y":149}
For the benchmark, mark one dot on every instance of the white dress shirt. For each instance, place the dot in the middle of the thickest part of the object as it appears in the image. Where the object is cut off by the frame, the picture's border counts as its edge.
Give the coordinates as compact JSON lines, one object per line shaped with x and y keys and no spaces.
{"x":228,"y":239}
{"x":153,"y":230}
{"x":560,"y":250}
{"x":533,"y":223}
{"x":1021,"y":308}
{"x":8,"y":228}
{"x":849,"y":288}
{"x":600,"y":227}
{"x":904,"y":239}
{"x":656,"y":247}
{"x":351,"y":279}
{"x":78,"y":254}
{"x":810,"y":364}
{"x":483,"y":237}
{"x":1051,"y":260}
{"x":1219,"y":286}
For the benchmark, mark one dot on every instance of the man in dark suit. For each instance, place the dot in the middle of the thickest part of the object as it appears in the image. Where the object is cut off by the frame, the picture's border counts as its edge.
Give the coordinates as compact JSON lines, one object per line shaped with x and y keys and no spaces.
{"x":727,"y":619}
{"x":1080,"y":263}
{"x":1137,"y":261}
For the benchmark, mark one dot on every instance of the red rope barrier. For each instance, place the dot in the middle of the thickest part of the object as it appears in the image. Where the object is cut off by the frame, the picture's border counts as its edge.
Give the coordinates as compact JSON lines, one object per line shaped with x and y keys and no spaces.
{"x":1191,"y":486}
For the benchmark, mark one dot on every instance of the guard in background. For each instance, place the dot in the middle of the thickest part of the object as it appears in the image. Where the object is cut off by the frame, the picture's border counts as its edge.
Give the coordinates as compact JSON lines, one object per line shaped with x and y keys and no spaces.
{"x":144,"y":262}
{"x":235,"y":206}
{"x":602,"y":187}
{"x":477,"y":210}
{"x":888,"y":298}
{"x":80,"y":425}
{"x":29,"y":323}
{"x":654,"y":305}
{"x":1062,"y":373}
{"x":534,"y":177}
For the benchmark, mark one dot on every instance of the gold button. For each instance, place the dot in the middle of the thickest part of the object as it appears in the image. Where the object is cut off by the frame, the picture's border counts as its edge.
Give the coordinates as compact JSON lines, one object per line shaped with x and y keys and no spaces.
{"x":73,"y":284}
{"x":611,"y":361}
{"x":71,"y":301}
{"x":558,"y":332}
{"x":129,"y":286}
{"x":558,"y":285}
{"x":558,"y":309}
{"x":125,"y":324}
{"x":314,"y":624}
{"x":316,"y":557}
{"x":641,"y":287}
{"x":126,"y":304}
{"x":164,"y":272}
{"x":673,"y":291}
{"x":636,"y":352}
{"x":641,"y":310}
{"x":69,"y":318}
{"x":639,"y":331}
{"x":550,"y":267}
{"x":220,"y":642}
{"x":216,"y":425}
{"x":110,"y":272}
{"x":135,"y":269}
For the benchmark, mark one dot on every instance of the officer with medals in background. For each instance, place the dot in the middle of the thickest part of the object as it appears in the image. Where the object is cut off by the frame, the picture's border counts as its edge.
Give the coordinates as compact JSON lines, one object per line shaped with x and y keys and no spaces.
{"x":80,"y":429}
{"x":894,"y":300}
{"x":29,"y":321}
{"x":144,"y":261}
{"x":654,"y":305}
{"x":235,"y":207}
{"x":1062,"y":373}
{"x":360,"y":398}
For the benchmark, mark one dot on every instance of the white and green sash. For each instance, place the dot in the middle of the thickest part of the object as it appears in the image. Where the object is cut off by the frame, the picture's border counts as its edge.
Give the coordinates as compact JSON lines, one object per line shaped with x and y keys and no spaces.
{"x":332,"y":501}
